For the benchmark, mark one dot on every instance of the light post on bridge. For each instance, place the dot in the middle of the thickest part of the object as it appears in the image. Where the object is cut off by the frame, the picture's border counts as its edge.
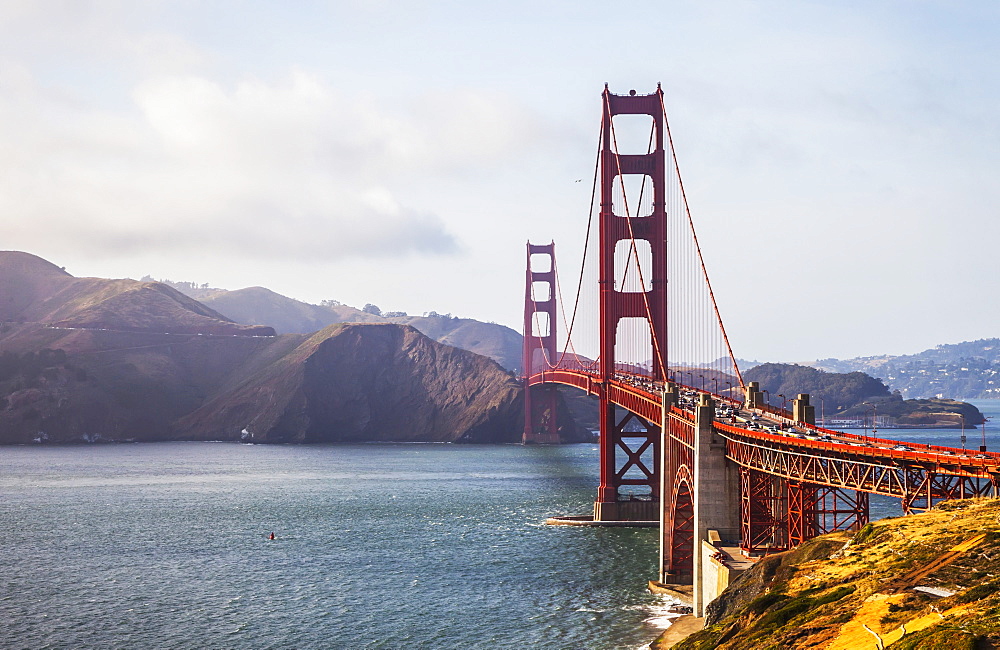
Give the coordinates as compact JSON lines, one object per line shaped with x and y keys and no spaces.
{"x":962,"y":415}
{"x":702,"y":383}
{"x":822,"y":412}
{"x":982,"y":447}
{"x":716,"y":380}
{"x":766,"y":392}
{"x":784,"y":400}
{"x":874,"y":421}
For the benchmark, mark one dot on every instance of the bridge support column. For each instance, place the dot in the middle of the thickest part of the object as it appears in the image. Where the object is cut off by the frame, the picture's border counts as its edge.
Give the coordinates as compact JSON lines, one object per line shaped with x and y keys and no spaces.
{"x":635,"y":437}
{"x":540,"y":423}
{"x":606,"y":504}
{"x":803,"y":518}
{"x":617,"y":301}
{"x":539,"y":351}
{"x":752,"y":397}
{"x":668,"y":400}
{"x":715,"y":489}
{"x":764,"y":512}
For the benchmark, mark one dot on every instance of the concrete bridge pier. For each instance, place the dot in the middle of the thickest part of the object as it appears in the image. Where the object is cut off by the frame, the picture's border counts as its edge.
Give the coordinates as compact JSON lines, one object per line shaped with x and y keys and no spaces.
{"x":716,"y":495}
{"x":668,"y":399}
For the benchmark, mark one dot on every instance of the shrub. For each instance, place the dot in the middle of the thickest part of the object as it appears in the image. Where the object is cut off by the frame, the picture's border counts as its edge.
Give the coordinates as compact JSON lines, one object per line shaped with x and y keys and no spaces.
{"x":834,"y":595}
{"x":978,"y":592}
{"x":761,"y":603}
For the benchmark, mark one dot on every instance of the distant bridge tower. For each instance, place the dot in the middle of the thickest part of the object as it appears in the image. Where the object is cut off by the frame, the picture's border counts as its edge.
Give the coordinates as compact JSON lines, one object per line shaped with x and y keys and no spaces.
{"x":620,"y":221}
{"x":539,"y":352}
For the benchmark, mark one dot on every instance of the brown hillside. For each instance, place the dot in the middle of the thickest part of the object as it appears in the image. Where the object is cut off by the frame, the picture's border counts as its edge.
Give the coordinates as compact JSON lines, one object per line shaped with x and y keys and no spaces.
{"x":87,"y":360}
{"x":25,"y":279}
{"x":354,"y":382}
{"x":33,"y":290}
{"x":497,"y":342}
{"x":346,"y":383}
{"x":260,"y":306}
{"x":62,"y":385}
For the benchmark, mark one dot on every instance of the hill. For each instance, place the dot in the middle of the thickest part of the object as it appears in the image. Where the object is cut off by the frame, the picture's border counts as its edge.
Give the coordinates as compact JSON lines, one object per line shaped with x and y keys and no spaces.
{"x":349,"y":382}
{"x":838,"y":391}
{"x":357,"y":382}
{"x":849,"y":395}
{"x":847,"y":592}
{"x":36,"y":291}
{"x":969,"y":370}
{"x":260,"y":306}
{"x":88,"y":359}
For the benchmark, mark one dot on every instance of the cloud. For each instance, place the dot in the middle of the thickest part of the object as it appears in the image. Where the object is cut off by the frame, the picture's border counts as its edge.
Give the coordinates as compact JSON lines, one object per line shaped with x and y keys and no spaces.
{"x":288,"y":168}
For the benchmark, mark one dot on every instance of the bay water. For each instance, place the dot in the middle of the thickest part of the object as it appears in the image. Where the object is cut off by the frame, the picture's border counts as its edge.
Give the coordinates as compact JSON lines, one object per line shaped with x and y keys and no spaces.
{"x":376,"y":546}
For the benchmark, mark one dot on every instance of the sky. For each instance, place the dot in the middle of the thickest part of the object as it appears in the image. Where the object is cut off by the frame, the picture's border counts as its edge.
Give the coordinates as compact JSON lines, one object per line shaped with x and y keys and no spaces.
{"x":840,"y":158}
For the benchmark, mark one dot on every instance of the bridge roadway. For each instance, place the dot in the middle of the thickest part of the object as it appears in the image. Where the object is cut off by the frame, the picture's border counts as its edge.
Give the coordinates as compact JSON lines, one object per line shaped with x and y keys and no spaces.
{"x":768,"y":440}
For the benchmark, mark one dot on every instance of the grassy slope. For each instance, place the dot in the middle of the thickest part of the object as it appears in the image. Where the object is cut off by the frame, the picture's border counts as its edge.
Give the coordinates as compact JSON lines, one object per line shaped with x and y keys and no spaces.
{"x":843,"y":600}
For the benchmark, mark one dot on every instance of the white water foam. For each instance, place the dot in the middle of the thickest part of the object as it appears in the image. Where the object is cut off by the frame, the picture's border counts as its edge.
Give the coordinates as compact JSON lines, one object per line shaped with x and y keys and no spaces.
{"x":659,"y":612}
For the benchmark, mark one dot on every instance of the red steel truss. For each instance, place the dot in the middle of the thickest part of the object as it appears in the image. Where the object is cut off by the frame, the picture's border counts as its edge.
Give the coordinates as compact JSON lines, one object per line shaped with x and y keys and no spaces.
{"x":636,"y":436}
{"x":680,"y":558}
{"x":779,"y":513}
{"x":803,"y":518}
{"x":837,"y":509}
{"x":763,"y":510}
{"x":905,"y":475}
{"x":929,"y":487}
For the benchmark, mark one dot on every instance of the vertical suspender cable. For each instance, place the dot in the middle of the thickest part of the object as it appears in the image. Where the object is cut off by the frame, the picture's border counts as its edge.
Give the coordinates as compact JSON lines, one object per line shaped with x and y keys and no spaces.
{"x":701,"y":260}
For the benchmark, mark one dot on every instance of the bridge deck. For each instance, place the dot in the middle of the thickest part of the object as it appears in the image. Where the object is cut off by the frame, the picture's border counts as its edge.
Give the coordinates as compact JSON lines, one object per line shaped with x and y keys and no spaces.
{"x":790,"y":445}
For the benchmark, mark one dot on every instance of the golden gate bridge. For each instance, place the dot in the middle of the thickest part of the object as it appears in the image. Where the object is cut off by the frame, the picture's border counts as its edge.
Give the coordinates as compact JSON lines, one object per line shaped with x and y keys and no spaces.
{"x":684,"y":441}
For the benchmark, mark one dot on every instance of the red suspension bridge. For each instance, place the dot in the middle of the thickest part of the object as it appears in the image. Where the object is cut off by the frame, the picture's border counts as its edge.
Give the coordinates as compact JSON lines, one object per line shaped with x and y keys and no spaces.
{"x":683,"y":439}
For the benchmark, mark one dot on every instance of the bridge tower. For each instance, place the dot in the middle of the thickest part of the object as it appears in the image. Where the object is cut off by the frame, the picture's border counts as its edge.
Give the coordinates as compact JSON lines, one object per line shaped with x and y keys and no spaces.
{"x":539,"y":351}
{"x":620,"y":221}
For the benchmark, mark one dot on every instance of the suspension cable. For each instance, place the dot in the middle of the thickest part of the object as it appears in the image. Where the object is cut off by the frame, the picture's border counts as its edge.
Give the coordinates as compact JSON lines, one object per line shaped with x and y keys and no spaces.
{"x":583,"y":262}
{"x":701,"y":259}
